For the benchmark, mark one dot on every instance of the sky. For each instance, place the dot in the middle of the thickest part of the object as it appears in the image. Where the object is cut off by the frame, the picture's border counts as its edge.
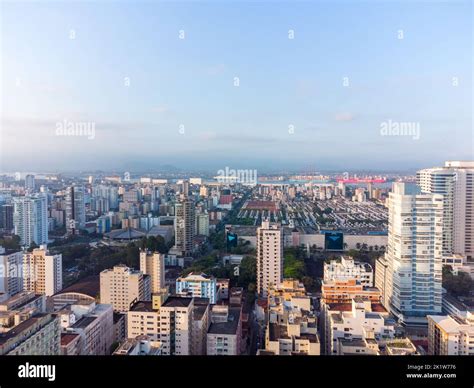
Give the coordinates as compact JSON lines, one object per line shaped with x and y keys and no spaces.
{"x":264,"y":85}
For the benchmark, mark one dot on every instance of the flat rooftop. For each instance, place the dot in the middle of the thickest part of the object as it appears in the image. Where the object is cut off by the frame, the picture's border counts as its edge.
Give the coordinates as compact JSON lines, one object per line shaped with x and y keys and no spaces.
{"x":18,"y":329}
{"x":176,"y":301}
{"x":229,"y":327}
{"x":83,"y":322}
{"x":67,"y":338}
{"x":142,"y":306}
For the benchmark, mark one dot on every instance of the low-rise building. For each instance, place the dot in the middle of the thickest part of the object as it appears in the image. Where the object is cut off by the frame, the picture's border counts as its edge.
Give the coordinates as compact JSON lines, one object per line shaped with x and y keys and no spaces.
{"x":93,"y":323}
{"x":343,"y":291}
{"x":38,"y":335}
{"x":361,"y":319}
{"x":448,"y":335}
{"x":347,"y":268}
{"x":140,"y":346}
{"x":291,"y":327}
{"x":198,"y":286}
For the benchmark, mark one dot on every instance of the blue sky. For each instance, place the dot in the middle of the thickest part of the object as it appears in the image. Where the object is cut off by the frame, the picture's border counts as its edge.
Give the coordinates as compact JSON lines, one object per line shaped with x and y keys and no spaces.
{"x":48,"y":78}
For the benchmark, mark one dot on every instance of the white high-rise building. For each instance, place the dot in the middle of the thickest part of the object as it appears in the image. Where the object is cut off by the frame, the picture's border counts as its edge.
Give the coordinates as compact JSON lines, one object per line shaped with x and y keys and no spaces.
{"x":153,"y":264}
{"x":269,"y":257}
{"x":30,"y":219}
{"x":414,"y":254}
{"x":42,"y":272}
{"x":455,"y":181}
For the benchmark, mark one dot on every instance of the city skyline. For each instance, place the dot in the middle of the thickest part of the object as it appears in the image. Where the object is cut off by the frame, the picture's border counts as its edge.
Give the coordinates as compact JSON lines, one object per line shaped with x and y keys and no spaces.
{"x":249,"y":85}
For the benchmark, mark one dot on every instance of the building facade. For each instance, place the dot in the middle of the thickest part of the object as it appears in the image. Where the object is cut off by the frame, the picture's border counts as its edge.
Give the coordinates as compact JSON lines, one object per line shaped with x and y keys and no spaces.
{"x":455,"y":181}
{"x":153,"y":264}
{"x":122,"y":286}
{"x":30,"y":219}
{"x":269,"y":257}
{"x":414,"y":254}
{"x":42,"y":272}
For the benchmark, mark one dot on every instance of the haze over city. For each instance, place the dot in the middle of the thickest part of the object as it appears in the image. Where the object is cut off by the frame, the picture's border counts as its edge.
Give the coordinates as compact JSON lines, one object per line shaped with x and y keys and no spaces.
{"x":251,"y":85}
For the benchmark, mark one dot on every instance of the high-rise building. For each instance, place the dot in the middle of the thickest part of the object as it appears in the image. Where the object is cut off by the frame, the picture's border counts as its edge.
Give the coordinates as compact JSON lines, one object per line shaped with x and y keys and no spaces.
{"x":176,"y":325}
{"x":75,"y":209}
{"x":30,"y":219}
{"x":185,"y":189}
{"x":11,"y":279}
{"x":6,"y":218}
{"x":153,"y":264}
{"x":202,"y":224}
{"x":30,"y":182}
{"x":122,"y":286}
{"x":414,"y":254}
{"x":184,"y":226}
{"x":269,"y":257}
{"x":455,"y":181}
{"x":42,"y":272}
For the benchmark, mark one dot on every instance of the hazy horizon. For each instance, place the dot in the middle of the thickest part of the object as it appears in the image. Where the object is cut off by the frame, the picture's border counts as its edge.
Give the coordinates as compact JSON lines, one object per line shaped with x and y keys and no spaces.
{"x":267,"y":86}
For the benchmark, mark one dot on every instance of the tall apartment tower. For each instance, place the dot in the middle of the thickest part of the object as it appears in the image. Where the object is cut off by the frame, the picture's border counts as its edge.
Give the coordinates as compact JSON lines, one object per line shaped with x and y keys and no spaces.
{"x":30,"y":182}
{"x":30,"y":219}
{"x":202,"y":224}
{"x":185,"y":225}
{"x":11,"y":281}
{"x":414,"y":254}
{"x":176,"y":325}
{"x":455,"y":181}
{"x":269,"y":257}
{"x":42,"y":272}
{"x":153,"y":264}
{"x":75,"y":209}
{"x":6,"y":217}
{"x":122,"y":286}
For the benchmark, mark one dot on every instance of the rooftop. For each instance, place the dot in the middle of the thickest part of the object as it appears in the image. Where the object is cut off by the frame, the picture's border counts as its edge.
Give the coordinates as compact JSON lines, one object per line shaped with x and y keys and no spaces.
{"x":176,"y":301}
{"x":89,"y":286}
{"x":142,"y":306}
{"x":23,"y":326}
{"x":83,"y":322}
{"x":67,"y":338}
{"x":229,"y":327}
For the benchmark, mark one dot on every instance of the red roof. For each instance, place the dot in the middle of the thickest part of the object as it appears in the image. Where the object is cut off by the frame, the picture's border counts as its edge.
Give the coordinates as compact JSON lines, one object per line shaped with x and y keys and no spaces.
{"x":67,"y":338}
